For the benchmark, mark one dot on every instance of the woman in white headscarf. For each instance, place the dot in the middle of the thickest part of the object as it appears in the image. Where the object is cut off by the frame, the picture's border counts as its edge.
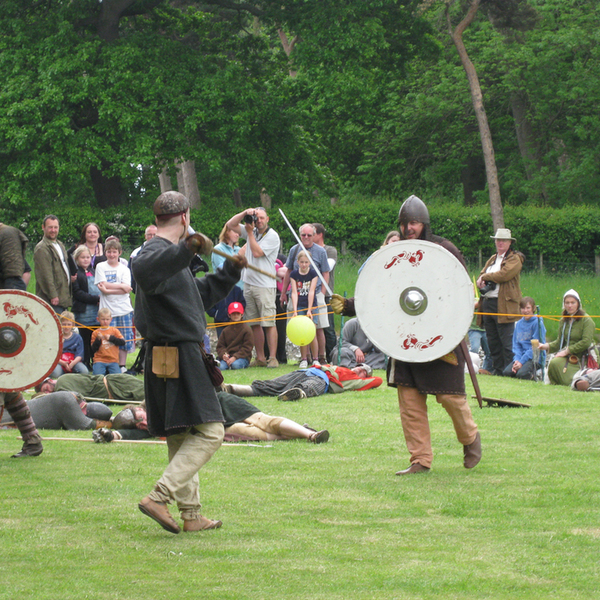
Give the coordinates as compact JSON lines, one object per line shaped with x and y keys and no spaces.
{"x":575,"y":336}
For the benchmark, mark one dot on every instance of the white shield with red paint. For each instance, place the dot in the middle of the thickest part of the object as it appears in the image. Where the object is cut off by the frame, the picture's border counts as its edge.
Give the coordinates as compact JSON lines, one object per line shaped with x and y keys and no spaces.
{"x":414,"y":300}
{"x":30,"y":340}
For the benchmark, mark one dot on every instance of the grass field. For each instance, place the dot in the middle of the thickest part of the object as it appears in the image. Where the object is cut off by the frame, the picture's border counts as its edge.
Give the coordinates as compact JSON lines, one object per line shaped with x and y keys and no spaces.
{"x":330,"y":521}
{"x":322,"y":522}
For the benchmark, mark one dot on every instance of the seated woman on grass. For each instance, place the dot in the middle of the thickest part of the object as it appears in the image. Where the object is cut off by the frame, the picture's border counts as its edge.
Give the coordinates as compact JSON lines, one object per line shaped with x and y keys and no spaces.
{"x":575,"y":336}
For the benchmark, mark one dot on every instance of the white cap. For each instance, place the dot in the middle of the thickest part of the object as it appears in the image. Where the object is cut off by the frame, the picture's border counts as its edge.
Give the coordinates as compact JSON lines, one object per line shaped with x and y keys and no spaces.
{"x":574,"y":294}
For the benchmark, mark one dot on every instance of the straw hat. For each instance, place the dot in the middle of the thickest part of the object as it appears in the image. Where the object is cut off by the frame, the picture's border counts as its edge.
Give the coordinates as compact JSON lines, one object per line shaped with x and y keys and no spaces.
{"x":503,"y":234}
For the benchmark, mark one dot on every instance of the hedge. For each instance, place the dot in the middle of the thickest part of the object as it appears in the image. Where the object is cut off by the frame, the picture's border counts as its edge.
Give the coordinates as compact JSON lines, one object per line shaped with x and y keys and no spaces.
{"x":562,"y":235}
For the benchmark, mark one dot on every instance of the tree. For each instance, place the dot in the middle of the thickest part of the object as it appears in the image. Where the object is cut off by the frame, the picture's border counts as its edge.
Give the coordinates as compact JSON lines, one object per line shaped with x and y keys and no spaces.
{"x":485,"y":133}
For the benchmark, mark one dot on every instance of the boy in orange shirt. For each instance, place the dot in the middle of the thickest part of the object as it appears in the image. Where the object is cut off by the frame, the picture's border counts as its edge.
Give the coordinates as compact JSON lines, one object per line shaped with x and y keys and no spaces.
{"x":106,"y":342}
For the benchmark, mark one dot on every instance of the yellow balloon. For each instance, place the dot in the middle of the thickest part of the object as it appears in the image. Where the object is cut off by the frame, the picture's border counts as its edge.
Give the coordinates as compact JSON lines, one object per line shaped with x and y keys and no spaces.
{"x":301,"y":330}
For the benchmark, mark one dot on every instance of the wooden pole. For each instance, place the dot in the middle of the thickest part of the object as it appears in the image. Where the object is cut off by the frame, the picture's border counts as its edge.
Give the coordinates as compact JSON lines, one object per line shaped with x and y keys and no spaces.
{"x":251,"y":267}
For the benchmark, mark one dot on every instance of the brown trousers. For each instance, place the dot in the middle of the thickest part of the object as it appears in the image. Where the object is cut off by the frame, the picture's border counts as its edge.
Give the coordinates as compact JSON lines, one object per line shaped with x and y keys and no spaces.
{"x":413,"y":413}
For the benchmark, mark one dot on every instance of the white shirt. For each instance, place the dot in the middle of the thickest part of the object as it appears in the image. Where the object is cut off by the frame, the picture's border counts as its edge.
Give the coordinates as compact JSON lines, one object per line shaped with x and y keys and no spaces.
{"x":118,"y":304}
{"x":269,"y":243}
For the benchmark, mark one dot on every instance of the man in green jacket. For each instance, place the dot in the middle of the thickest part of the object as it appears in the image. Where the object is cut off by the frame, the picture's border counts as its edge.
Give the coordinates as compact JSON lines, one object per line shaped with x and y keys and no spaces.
{"x":52,"y":276}
{"x":12,"y":258}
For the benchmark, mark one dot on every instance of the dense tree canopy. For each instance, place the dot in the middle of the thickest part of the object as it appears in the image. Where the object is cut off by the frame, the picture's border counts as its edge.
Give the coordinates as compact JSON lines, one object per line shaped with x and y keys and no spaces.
{"x":99,"y":97}
{"x":108,"y":93}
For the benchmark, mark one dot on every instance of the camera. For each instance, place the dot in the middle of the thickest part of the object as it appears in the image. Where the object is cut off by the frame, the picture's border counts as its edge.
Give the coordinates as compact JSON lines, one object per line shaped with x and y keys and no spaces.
{"x":251,"y":219}
{"x":488,"y":287}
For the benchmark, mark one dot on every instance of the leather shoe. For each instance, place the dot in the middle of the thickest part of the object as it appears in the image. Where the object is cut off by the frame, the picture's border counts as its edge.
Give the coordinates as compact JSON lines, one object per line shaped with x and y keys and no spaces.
{"x":160,"y":513}
{"x":472,"y":452}
{"x":31,"y":447}
{"x":319,"y":437}
{"x":200,"y":524}
{"x":414,"y":468}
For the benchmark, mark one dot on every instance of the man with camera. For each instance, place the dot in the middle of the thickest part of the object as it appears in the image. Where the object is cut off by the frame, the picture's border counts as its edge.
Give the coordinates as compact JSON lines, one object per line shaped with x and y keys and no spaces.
{"x":259,"y":290}
{"x":499,"y":286}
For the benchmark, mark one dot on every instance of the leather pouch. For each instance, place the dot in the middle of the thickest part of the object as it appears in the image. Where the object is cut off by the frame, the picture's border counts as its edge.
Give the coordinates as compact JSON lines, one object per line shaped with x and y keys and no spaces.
{"x":165,"y":362}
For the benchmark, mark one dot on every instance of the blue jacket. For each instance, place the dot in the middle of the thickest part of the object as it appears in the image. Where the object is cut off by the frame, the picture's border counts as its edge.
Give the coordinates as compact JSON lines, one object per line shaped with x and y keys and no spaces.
{"x":525,"y":331}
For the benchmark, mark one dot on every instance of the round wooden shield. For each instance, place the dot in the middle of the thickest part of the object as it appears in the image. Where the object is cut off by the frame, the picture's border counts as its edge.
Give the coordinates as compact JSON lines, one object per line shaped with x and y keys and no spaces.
{"x":30,"y":340}
{"x":414,"y":300}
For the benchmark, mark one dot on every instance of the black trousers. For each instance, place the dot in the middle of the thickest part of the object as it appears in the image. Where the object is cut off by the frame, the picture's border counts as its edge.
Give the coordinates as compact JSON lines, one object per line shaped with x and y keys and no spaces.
{"x":499,"y":336}
{"x":330,"y":335}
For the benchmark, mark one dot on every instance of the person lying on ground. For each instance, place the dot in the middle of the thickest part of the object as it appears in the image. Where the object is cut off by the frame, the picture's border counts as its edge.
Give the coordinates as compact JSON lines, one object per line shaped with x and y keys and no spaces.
{"x":64,"y":410}
{"x":307,"y":383}
{"x":117,"y":386}
{"x":357,"y":348}
{"x":586,"y":380}
{"x":243,"y":422}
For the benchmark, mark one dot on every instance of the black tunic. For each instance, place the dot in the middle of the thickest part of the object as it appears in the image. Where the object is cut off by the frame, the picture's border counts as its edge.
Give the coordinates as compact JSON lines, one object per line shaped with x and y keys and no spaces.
{"x":169,"y":308}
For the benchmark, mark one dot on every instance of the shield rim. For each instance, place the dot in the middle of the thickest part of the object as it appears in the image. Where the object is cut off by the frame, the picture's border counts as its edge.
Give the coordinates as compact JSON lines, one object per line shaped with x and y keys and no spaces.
{"x":47,"y":307}
{"x":361,"y":282}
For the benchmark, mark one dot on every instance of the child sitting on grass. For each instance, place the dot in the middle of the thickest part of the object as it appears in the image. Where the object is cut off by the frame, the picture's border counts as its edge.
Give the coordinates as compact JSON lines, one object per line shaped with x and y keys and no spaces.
{"x":530,"y":327}
{"x":106,"y":342}
{"x":71,"y":360}
{"x":235,"y":344}
{"x":303,"y":282}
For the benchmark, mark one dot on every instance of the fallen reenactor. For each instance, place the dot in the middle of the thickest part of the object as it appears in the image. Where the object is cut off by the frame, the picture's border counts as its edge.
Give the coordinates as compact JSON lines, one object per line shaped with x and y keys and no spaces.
{"x":117,"y":386}
{"x":307,"y":383}
{"x":64,"y":410}
{"x":586,"y":380}
{"x":243,"y":422}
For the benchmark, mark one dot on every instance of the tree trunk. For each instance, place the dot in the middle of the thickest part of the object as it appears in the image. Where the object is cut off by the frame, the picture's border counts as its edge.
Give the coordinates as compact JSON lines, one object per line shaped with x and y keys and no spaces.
{"x":165,"y":181}
{"x":108,"y":20}
{"x":287,"y":47}
{"x":265,"y":199}
{"x":472,"y":177}
{"x":237,"y":197}
{"x":528,"y":146}
{"x":108,"y":191}
{"x":477,"y":98}
{"x":190,"y":182}
{"x":187,"y":182}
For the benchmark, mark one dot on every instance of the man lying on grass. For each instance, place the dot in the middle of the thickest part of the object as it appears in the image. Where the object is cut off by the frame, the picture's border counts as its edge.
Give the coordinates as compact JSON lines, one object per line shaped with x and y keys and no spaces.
{"x":307,"y":383}
{"x":63,"y":410}
{"x":243,"y":422}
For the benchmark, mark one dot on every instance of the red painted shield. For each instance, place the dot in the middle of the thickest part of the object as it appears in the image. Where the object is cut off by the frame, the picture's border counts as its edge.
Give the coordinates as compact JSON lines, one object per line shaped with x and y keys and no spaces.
{"x":30,"y":340}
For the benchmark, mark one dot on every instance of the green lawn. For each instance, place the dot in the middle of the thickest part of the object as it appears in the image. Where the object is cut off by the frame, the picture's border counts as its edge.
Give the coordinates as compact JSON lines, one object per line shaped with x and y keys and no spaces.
{"x":324,"y":522}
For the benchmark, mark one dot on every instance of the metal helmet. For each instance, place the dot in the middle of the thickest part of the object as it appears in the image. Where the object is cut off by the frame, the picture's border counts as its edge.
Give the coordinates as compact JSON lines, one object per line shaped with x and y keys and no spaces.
{"x":124,"y":419}
{"x":413,"y":209}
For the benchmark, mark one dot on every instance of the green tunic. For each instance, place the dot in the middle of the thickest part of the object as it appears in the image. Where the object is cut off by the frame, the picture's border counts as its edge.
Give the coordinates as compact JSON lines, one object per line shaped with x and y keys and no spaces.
{"x":578,"y":336}
{"x":120,"y":386}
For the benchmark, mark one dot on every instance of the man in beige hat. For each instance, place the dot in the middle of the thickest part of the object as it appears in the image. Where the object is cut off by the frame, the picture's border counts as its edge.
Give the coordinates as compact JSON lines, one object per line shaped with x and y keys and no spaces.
{"x":499,"y":285}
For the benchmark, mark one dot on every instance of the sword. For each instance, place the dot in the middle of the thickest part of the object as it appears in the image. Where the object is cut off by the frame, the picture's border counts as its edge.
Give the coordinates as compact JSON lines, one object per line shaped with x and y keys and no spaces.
{"x":312,"y":262}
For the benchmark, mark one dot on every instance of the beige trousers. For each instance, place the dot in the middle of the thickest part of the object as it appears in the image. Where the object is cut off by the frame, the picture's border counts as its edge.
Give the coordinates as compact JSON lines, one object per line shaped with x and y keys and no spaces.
{"x":258,"y":426}
{"x":188,"y":453}
{"x":413,"y":414}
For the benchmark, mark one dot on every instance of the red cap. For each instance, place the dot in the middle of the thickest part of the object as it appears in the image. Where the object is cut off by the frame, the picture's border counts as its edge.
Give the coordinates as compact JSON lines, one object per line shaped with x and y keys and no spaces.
{"x":237,"y":307}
